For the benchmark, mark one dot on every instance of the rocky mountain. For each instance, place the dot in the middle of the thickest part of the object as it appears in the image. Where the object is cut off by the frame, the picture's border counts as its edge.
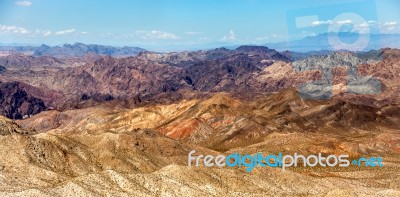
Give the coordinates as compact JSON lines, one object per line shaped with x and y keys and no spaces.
{"x":221,"y":122}
{"x":293,"y":56}
{"x":17,"y":103}
{"x":248,"y":69}
{"x":184,"y":59}
{"x":27,"y":61}
{"x":9,"y":127}
{"x":124,"y":126}
{"x":150,"y":74}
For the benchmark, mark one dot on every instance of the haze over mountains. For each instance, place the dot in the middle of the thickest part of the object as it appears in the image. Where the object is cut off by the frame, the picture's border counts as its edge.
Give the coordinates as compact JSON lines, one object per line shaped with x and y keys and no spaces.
{"x":319,"y":42}
{"x":73,"y":50}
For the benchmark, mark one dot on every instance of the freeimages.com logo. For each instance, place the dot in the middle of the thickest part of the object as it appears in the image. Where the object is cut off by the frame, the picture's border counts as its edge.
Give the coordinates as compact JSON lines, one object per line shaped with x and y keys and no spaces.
{"x":347,"y":27}
{"x":280,"y":160}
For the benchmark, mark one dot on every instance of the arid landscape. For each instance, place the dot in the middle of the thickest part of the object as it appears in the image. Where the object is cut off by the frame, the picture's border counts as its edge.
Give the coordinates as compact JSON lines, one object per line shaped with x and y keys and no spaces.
{"x":78,"y":121}
{"x":200,"y":98}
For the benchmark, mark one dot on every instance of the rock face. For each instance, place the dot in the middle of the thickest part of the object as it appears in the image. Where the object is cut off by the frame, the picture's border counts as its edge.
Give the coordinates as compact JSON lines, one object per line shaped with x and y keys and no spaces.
{"x":150,"y":74}
{"x":326,"y":65}
{"x":27,"y":61}
{"x":8,"y":127}
{"x":16,"y":103}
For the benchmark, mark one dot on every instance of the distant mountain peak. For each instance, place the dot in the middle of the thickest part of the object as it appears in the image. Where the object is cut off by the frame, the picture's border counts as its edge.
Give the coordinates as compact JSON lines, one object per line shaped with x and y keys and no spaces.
{"x":253,"y":48}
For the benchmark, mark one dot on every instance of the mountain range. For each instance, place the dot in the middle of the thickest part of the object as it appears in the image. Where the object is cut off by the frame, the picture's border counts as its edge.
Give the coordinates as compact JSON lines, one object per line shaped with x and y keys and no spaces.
{"x":150,"y":75}
{"x":94,"y":120}
{"x":73,"y":50}
{"x":312,"y":43}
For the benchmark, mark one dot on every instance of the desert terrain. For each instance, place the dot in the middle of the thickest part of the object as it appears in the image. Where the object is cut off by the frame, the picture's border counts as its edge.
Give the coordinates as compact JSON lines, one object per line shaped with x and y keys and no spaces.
{"x":122,"y":124}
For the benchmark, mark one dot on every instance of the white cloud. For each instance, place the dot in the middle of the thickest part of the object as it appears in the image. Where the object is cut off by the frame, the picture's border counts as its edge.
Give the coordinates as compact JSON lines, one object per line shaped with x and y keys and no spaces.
{"x":360,"y":25}
{"x":4,"y":29}
{"x":230,"y":36}
{"x":23,"y":3}
{"x":390,"y":25}
{"x":64,"y":32}
{"x":330,"y":22}
{"x":46,"y":33}
{"x":364,"y":25}
{"x":318,"y":23}
{"x":344,"y":22}
{"x":155,"y":35}
{"x":13,"y":30}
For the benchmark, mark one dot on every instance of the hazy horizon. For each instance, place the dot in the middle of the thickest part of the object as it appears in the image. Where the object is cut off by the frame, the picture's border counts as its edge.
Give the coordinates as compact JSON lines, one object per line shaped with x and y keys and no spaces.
{"x":169,"y":25}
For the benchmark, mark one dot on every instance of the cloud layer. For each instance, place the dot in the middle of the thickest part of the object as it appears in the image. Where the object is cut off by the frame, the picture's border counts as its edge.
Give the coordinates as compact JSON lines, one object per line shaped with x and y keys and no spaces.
{"x":155,"y":35}
{"x":12,"y":29}
{"x":23,"y":3}
{"x":64,"y":32}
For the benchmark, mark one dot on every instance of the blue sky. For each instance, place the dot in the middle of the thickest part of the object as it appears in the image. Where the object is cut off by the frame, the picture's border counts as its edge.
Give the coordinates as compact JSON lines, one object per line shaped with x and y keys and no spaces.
{"x":179,"y":24}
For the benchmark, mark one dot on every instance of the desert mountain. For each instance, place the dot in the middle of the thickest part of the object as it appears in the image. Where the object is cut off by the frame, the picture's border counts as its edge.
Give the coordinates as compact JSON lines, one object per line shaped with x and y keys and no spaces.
{"x":221,"y":122}
{"x":124,"y":125}
{"x":247,"y":69}
{"x":18,"y":102}
{"x":144,"y":150}
{"x":18,"y":61}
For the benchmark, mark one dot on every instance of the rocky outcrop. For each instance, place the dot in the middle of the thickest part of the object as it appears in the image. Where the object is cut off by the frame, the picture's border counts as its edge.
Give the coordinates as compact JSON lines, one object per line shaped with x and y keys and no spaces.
{"x":26,"y":61}
{"x":17,"y":103}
